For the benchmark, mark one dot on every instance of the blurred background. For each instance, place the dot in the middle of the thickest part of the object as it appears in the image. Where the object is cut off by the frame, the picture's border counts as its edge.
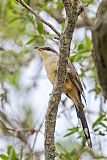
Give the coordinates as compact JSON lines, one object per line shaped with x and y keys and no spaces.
{"x":25,"y":89}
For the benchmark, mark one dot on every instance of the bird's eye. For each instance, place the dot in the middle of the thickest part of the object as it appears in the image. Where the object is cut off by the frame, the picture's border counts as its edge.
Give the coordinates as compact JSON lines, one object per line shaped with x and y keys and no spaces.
{"x":48,"y":49}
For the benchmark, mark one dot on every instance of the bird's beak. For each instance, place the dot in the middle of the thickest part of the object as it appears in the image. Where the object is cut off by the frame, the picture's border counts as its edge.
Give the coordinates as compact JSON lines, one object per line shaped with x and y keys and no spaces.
{"x":39,"y":48}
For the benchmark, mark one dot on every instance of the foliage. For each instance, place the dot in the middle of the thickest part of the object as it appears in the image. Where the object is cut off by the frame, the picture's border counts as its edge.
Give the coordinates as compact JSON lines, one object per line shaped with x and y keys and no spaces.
{"x":11,"y":154}
{"x":20,"y":32}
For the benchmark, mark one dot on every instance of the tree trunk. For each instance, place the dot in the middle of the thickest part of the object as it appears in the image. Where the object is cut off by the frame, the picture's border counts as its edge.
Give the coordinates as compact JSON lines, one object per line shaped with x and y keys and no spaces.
{"x":100,"y":45}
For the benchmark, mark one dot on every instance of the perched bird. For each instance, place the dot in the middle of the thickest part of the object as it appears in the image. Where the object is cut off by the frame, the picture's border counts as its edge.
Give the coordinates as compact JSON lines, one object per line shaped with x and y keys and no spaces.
{"x":72,"y":86}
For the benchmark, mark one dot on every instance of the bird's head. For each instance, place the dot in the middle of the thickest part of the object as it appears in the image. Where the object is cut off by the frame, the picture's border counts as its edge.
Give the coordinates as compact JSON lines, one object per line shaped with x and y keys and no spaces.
{"x":46,"y":50}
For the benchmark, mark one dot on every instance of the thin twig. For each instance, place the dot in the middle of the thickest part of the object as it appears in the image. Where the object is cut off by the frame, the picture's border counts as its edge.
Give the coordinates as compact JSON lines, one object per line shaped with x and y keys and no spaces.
{"x":38,"y":16}
{"x":34,"y":142}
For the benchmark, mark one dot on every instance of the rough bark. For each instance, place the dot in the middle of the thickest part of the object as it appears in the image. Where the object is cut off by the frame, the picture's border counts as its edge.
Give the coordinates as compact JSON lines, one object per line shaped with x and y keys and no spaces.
{"x":65,"y":40}
{"x":100,"y":45}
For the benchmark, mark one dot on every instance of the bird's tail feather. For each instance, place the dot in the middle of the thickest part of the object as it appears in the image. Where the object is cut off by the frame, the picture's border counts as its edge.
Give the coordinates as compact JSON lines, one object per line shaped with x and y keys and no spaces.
{"x":81,"y":116}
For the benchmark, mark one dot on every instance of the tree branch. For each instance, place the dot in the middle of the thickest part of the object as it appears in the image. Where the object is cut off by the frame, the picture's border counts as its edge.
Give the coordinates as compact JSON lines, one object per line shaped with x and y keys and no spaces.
{"x":38,"y":16}
{"x":65,"y":41}
{"x":83,"y":23}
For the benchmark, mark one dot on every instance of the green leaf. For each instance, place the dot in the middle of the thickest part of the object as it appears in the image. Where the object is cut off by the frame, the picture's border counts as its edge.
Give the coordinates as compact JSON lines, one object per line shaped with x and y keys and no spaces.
{"x":83,"y":50}
{"x":40,"y":27}
{"x":31,"y":40}
{"x":11,"y":152}
{"x":84,"y":46}
{"x":3,"y":157}
{"x":72,"y":131}
{"x":98,"y":120}
{"x":76,"y":58}
{"x":80,"y":46}
{"x":81,"y":134}
{"x":59,"y":4}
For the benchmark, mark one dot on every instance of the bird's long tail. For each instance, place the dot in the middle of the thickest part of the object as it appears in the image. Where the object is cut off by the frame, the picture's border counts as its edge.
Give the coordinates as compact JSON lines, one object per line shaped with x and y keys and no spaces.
{"x":81,"y":116}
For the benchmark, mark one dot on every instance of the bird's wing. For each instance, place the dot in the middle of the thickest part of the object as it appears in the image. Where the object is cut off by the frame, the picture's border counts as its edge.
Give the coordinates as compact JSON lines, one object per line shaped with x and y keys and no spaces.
{"x":74,"y":77}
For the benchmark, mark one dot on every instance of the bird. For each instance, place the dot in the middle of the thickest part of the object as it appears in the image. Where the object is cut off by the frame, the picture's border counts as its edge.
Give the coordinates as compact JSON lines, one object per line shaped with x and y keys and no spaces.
{"x":72,"y":87}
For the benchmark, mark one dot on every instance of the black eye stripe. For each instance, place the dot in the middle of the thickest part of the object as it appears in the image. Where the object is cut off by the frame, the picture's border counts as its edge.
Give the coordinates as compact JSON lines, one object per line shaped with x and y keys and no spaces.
{"x":49,"y":49}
